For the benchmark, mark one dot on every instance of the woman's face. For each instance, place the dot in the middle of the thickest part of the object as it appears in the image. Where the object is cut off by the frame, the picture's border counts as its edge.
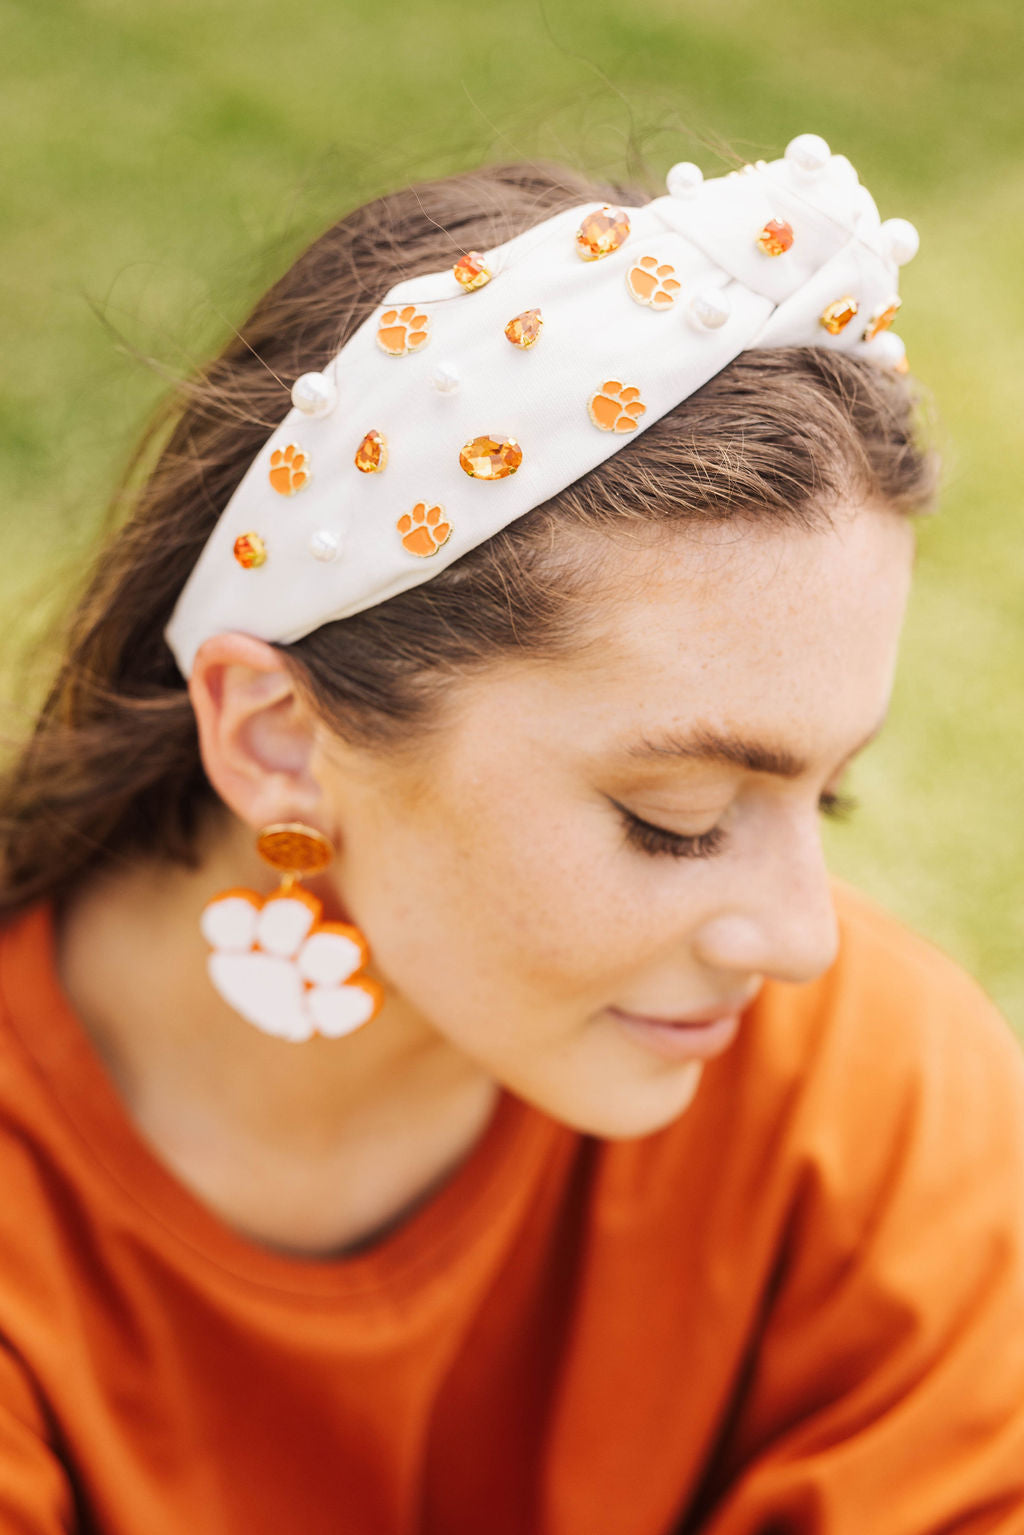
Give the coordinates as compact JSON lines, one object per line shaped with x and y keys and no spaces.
{"x":508,"y":904}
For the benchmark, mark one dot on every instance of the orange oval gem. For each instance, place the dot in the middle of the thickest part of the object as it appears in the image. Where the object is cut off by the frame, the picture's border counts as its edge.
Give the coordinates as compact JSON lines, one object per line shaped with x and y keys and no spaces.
{"x":372,"y":453}
{"x":292,"y":849}
{"x":839,"y":314}
{"x":524,"y":329}
{"x":250,"y":550}
{"x":776,"y":238}
{"x":470,"y":271}
{"x":491,"y":458}
{"x":882,"y":319}
{"x":601,"y":233}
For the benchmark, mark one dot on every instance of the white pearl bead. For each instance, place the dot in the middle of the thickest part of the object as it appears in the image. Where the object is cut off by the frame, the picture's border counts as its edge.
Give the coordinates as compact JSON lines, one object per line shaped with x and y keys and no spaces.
{"x":888,"y":350}
{"x":901,"y":240}
{"x":809,"y":153}
{"x":324,"y":545}
{"x":314,"y":394}
{"x":445,"y":378}
{"x":710,"y":308}
{"x":684,"y":179}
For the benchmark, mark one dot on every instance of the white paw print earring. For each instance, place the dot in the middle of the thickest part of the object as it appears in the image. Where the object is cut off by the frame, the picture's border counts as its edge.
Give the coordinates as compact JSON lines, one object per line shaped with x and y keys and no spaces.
{"x":273,"y":959}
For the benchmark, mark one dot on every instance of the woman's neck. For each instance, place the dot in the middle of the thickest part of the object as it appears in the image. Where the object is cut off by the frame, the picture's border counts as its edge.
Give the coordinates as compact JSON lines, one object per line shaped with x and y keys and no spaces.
{"x":310,"y":1147}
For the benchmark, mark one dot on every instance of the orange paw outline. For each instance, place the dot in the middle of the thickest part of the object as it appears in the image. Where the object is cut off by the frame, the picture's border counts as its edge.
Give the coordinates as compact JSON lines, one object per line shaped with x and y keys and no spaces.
{"x":289,"y":469}
{"x":616,"y":408}
{"x":424,"y":529}
{"x":402,"y":330}
{"x":653,"y":284}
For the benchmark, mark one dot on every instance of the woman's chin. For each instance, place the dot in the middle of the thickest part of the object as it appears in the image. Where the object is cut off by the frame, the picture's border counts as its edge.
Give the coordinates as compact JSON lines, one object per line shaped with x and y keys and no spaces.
{"x":626,"y":1112}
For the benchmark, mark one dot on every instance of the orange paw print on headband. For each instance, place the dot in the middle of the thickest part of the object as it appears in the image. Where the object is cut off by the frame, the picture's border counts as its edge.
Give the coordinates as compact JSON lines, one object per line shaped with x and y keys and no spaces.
{"x":289,"y":469}
{"x":402,"y":330}
{"x":653,"y":284}
{"x":614,"y":408}
{"x":424,"y":529}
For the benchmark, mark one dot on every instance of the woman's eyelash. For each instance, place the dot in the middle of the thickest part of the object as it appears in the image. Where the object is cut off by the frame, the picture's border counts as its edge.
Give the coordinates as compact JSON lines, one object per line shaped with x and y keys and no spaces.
{"x":655,"y":839}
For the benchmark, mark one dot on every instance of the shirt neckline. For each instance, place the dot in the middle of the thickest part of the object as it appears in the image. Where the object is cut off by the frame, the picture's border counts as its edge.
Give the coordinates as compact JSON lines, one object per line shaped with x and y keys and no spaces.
{"x":488,"y":1186}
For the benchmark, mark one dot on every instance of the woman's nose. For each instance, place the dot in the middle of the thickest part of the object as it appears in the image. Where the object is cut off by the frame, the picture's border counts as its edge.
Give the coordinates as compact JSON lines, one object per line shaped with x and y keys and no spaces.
{"x":780,"y":919}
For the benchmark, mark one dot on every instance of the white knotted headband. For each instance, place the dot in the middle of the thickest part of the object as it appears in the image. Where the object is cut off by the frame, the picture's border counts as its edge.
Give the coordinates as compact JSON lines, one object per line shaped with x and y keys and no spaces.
{"x":471,"y":395}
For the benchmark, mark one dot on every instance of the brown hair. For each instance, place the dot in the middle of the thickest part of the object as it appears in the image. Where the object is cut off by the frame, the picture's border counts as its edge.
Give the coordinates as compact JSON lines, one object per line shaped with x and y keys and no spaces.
{"x":112,"y":767}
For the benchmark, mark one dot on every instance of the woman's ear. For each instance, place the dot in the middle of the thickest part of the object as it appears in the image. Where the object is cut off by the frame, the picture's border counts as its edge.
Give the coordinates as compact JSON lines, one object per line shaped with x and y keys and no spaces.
{"x":257,"y":736}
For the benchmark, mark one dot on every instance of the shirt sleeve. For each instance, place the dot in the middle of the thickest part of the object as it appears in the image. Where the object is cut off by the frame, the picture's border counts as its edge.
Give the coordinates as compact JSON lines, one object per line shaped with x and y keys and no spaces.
{"x":885,"y":1386}
{"x":35,"y":1493}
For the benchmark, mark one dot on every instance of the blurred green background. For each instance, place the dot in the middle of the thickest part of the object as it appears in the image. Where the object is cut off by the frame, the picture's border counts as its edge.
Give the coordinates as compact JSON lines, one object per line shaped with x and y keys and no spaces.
{"x":165,"y":160}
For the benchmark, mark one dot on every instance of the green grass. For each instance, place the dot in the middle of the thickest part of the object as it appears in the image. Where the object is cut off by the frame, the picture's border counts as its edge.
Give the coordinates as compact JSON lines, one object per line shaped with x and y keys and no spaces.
{"x":165,"y":161}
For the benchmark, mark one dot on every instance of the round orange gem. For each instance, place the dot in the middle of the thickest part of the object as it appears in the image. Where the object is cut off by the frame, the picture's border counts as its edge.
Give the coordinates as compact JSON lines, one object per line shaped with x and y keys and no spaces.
{"x":491,"y":458}
{"x":776,"y":238}
{"x":601,"y":233}
{"x":839,"y":314}
{"x":882,"y":320}
{"x":470,"y":271}
{"x":523,"y":329}
{"x":250,"y":550}
{"x":372,"y":453}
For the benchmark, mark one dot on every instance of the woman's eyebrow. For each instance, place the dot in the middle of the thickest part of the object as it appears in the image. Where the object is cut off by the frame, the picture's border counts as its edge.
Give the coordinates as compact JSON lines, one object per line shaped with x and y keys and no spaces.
{"x":704,"y":743}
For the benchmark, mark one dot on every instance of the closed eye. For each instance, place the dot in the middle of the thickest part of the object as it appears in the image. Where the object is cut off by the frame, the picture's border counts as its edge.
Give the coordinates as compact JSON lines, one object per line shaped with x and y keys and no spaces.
{"x":657,"y":839}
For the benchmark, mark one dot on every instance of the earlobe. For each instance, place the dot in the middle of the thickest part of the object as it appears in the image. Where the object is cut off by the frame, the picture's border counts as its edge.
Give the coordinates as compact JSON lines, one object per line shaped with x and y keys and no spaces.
{"x":256,"y":735}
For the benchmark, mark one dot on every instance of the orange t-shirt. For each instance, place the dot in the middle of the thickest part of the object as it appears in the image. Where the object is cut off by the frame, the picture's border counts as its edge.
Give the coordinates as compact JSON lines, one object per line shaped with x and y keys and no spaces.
{"x":797,"y":1308}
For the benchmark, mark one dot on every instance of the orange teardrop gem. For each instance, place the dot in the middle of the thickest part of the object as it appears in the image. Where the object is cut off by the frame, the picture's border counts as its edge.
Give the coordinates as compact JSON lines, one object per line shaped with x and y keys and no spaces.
{"x":601,"y":233}
{"x":470,"y":271}
{"x":839,"y":314}
{"x":250,"y":550}
{"x":882,"y":320}
{"x":372,"y":453}
{"x":491,"y":458}
{"x":776,"y":238}
{"x":524,"y":328}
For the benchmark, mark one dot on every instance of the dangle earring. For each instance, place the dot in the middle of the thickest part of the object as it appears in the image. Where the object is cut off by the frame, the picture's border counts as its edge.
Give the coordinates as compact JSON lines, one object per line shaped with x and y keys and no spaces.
{"x":273,"y":959}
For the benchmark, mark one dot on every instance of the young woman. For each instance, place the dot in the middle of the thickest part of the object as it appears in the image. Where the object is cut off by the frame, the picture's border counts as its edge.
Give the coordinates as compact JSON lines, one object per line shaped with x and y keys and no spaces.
{"x":546,"y":1143}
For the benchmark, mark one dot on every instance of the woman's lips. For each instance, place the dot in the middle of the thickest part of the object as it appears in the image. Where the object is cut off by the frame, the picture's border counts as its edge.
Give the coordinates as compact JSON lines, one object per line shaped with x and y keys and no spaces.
{"x":682,"y":1039}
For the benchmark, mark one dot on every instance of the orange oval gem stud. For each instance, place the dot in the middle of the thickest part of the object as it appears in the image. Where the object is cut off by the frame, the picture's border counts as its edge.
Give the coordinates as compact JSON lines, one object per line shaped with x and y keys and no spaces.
{"x":470,"y":271}
{"x":491,"y":458}
{"x":372,"y":453}
{"x":776,"y":238}
{"x":250,"y":550}
{"x":839,"y":314}
{"x":601,"y":233}
{"x":524,"y":329}
{"x":882,"y":319}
